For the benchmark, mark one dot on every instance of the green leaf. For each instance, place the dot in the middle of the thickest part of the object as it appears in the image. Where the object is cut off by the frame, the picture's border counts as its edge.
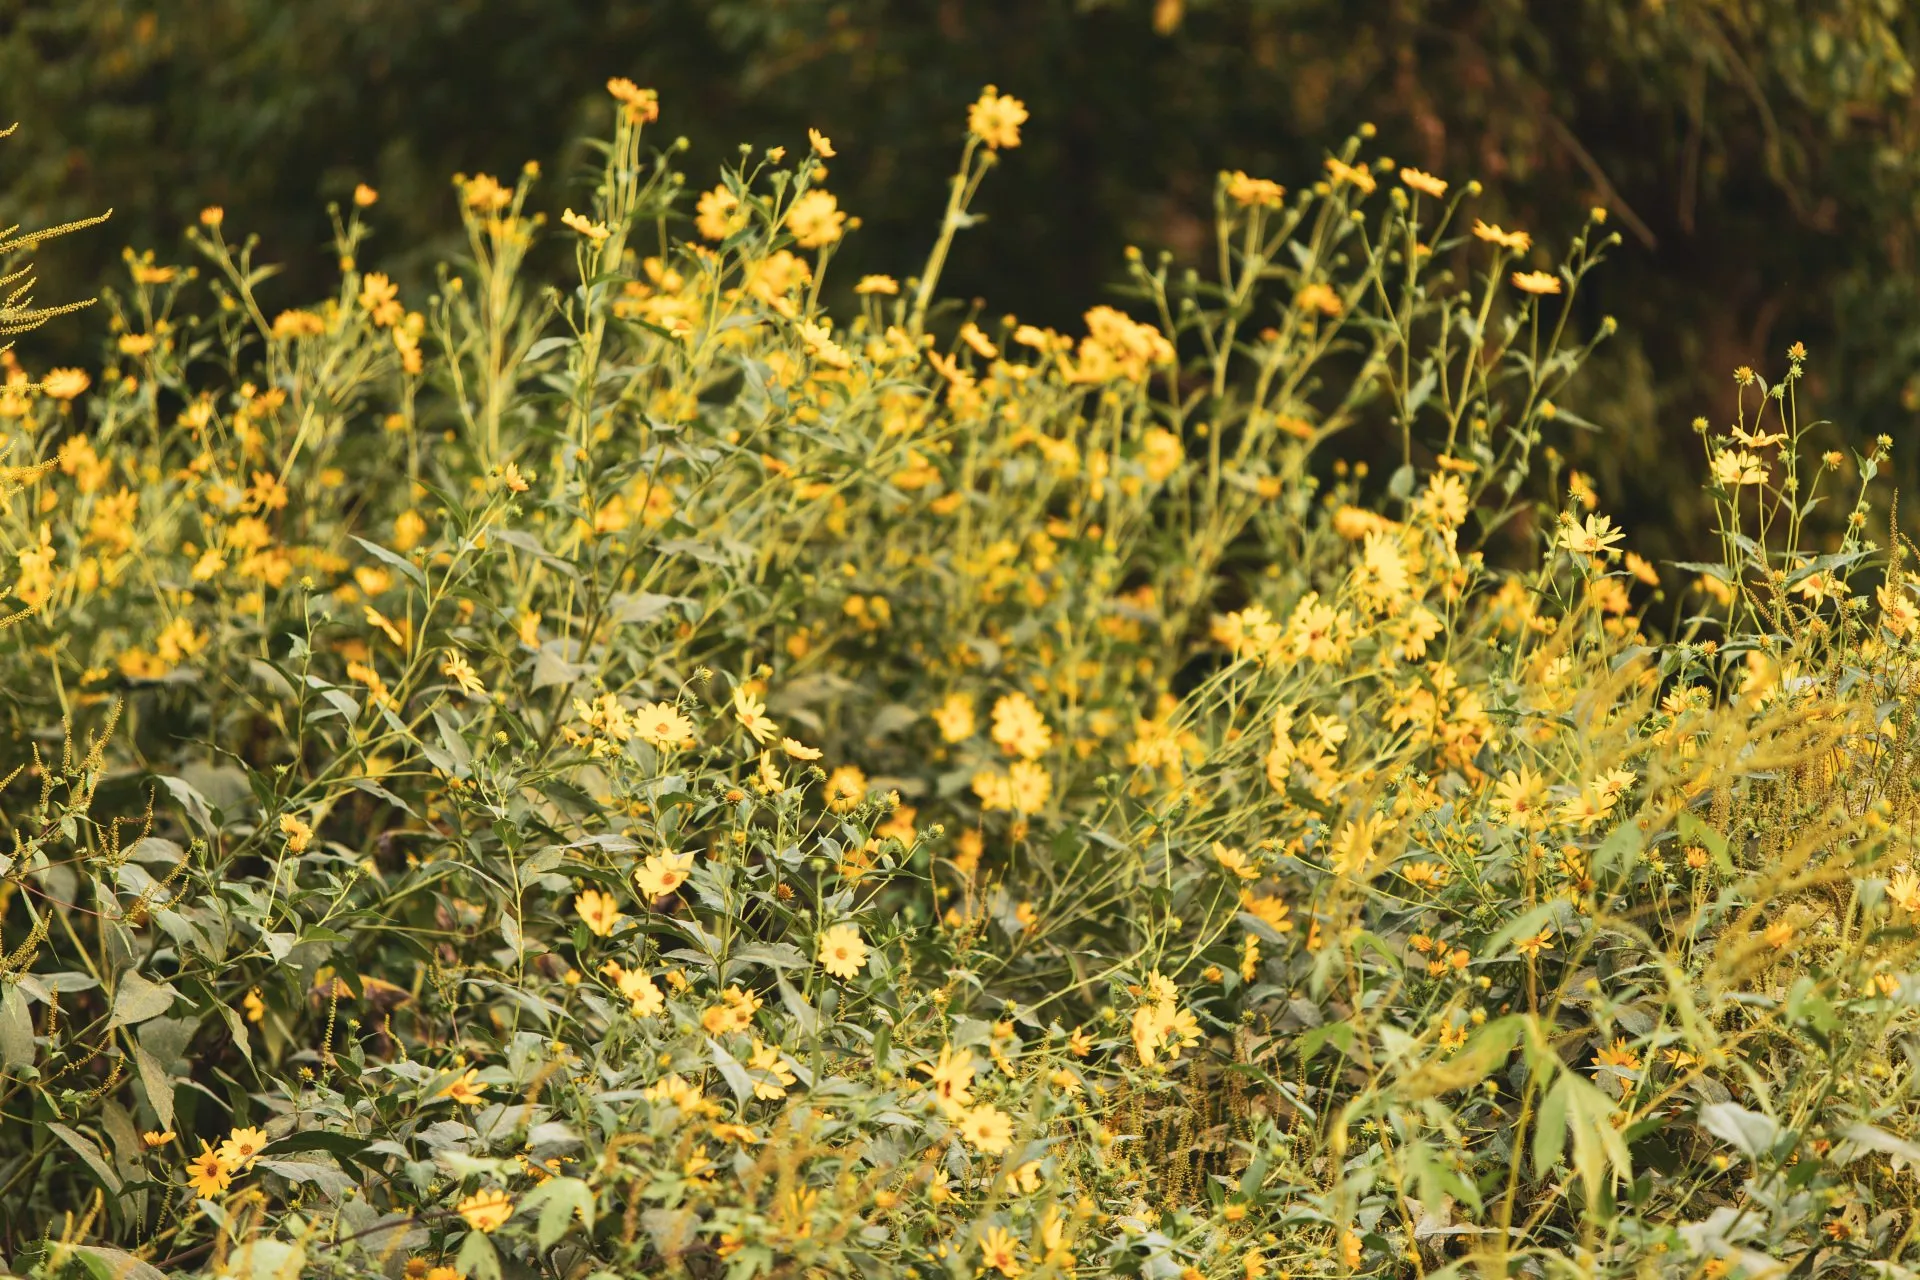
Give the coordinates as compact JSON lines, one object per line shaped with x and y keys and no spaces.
{"x":16,"y":1028}
{"x":395,"y":560}
{"x":1754,"y":1134}
{"x":1619,"y":850}
{"x":560,"y":1201}
{"x":89,"y":1154}
{"x":1550,"y":1128}
{"x":477,"y":1258}
{"x":1339,"y":1034}
{"x":137,"y":1000}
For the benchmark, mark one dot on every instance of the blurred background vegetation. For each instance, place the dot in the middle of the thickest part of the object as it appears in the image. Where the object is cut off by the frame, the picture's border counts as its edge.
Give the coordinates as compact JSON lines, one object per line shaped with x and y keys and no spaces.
{"x":1759,"y":156}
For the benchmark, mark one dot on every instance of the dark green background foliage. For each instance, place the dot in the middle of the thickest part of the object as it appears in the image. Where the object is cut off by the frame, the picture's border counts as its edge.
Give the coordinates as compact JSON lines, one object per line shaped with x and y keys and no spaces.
{"x":1759,"y":156}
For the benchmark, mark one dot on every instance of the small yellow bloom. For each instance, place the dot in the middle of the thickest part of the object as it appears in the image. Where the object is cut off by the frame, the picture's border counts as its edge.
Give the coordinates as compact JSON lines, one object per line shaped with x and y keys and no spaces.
{"x":583,"y":225}
{"x":1536,"y":282}
{"x":486,"y":1211}
{"x":598,"y":911}
{"x":207,"y":1174}
{"x":299,"y":835}
{"x":662,"y":873}
{"x":457,"y":669}
{"x":842,"y":953}
{"x":1425,"y":183}
{"x":996,"y":118}
{"x":242,"y":1148}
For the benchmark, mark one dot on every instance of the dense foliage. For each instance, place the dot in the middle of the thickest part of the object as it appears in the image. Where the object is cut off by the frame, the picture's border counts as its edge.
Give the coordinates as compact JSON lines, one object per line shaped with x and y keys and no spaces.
{"x":659,"y":776}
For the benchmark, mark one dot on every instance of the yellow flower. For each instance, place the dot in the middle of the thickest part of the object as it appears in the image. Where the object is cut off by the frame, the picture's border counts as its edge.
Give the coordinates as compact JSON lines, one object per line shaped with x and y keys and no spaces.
{"x":1425,"y":183}
{"x":1518,"y":241}
{"x":1735,"y":467}
{"x":642,"y":105}
{"x":1905,"y":891}
{"x":1536,"y":282}
{"x":486,"y":1211}
{"x":299,"y":835}
{"x":212,"y":216}
{"x":206,"y":1174}
{"x":1357,"y":176}
{"x":799,"y":750}
{"x":457,"y":669}
{"x":951,"y":1080}
{"x":242,"y":1148}
{"x":465,"y":1089}
{"x":598,"y":911}
{"x":986,"y":1128}
{"x":661,"y":724}
{"x":364,"y":195}
{"x":155,"y":1138}
{"x":662,"y":873}
{"x":65,"y":384}
{"x":583,"y":225}
{"x":996,"y":118}
{"x":1000,"y":1252}
{"x":255,"y":1007}
{"x":752,"y":714}
{"x":954,"y":716}
{"x":779,"y":1076}
{"x":877,"y":284}
{"x":1595,"y":537}
{"x":842,"y":953}
{"x":644,"y":997}
{"x":1248,"y":192}
{"x":1533,"y":946}
{"x":1019,"y":727}
{"x":718,"y":214}
{"x":846,"y":788}
{"x":408,"y":529}
{"x":1235,"y":862}
{"x":816,"y":220}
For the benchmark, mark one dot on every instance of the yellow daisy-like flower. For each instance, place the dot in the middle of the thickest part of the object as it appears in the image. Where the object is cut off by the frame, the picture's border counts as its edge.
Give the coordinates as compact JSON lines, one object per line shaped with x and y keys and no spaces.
{"x":842,"y":953}
{"x":486,"y":1211}
{"x":65,"y":384}
{"x":662,"y":873}
{"x":583,"y":225}
{"x":996,"y":118}
{"x":1518,"y":241}
{"x":752,"y":714}
{"x":465,"y":1089}
{"x":799,"y":750}
{"x":999,"y":1251}
{"x":877,"y":284}
{"x":598,"y":911}
{"x":206,"y":1174}
{"x":1424,"y":183}
{"x":986,"y":1128}
{"x":299,"y":835}
{"x":457,"y":669}
{"x":816,"y":220}
{"x":1536,"y":282}
{"x":242,"y":1148}
{"x":662,"y":725}
{"x":846,"y":788}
